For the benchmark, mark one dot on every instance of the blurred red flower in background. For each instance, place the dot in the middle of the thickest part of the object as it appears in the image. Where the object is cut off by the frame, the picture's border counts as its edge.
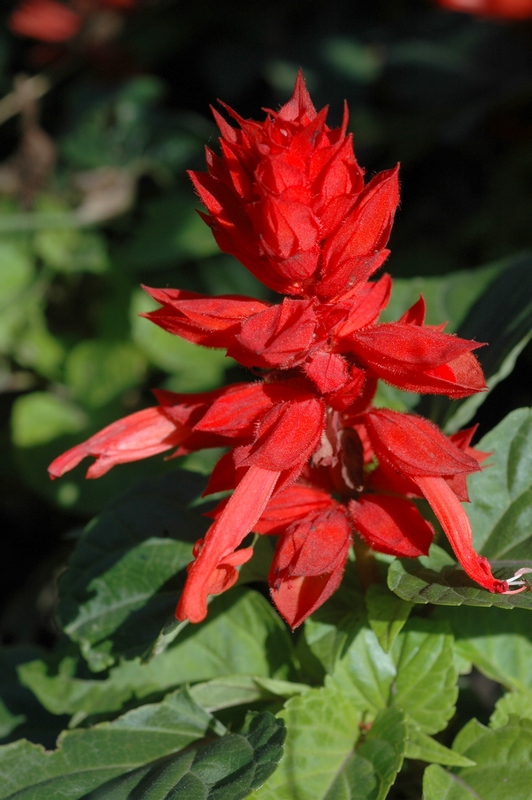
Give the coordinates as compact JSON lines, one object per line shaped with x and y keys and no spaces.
{"x":310,"y":459}
{"x":504,"y":9}
{"x":55,"y":22}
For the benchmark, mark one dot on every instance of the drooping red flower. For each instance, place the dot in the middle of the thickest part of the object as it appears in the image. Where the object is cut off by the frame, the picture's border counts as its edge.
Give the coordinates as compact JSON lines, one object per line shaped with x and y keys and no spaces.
{"x":309,"y":458}
{"x":503,"y":9}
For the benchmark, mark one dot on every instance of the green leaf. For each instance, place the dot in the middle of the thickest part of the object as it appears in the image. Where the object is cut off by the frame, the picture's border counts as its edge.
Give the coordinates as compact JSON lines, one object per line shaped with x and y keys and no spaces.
{"x":120,"y":587}
{"x":322,"y":729}
{"x":16,"y":269}
{"x":501,"y":515}
{"x":228,"y":769}
{"x":512,"y":704}
{"x":418,"y":675}
{"x":39,"y":417}
{"x":496,"y":642}
{"x":235,"y":690}
{"x":387,"y":614}
{"x":85,"y":759}
{"x":99,"y":370}
{"x":424,"y":748}
{"x":503,"y":765}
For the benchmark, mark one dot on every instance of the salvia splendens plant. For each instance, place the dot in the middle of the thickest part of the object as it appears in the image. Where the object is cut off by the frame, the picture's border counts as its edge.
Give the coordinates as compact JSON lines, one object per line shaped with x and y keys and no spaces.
{"x":310,"y":458}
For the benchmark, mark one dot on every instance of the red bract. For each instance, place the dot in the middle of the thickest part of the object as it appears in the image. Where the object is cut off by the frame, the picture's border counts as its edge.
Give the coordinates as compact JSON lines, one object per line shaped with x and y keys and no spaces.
{"x":504,"y":9}
{"x":309,"y":458}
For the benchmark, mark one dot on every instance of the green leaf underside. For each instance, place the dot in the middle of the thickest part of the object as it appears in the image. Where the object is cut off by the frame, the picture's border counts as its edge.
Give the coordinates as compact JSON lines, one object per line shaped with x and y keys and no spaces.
{"x":387,"y":614}
{"x":503,"y":765}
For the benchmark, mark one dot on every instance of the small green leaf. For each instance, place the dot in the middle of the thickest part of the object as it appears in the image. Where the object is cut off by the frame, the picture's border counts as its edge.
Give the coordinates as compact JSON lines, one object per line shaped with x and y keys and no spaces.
{"x":228,"y":769}
{"x":16,"y":269}
{"x":512,"y":704}
{"x":387,"y":614}
{"x":39,"y":417}
{"x":503,"y":765}
{"x":418,"y":675}
{"x":69,"y":249}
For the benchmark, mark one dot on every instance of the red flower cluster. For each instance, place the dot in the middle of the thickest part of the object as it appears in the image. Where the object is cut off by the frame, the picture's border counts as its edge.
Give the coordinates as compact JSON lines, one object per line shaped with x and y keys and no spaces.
{"x":311,"y":459}
{"x":504,"y":9}
{"x":55,"y":22}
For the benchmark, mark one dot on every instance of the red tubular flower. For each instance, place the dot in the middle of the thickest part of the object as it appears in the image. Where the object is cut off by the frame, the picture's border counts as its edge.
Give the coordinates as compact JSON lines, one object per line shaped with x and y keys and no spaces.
{"x":504,"y":9}
{"x":310,"y":459}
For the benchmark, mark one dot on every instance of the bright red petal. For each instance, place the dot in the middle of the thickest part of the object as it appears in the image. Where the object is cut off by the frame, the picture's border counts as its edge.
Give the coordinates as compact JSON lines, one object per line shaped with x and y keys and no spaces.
{"x":391,"y":525}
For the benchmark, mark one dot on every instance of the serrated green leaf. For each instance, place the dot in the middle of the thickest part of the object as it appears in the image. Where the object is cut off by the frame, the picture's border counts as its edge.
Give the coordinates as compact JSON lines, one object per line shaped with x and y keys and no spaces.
{"x":39,"y":417}
{"x":228,"y":769}
{"x":418,"y":675}
{"x":322,"y":729}
{"x":85,"y":759}
{"x":424,"y":748}
{"x":387,"y":614}
{"x":99,"y":370}
{"x":512,"y":704}
{"x":503,"y":765}
{"x":501,"y":515}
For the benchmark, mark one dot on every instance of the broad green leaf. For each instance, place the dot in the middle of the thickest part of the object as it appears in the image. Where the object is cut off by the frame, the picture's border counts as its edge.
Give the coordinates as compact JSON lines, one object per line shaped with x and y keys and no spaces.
{"x":87,"y":758}
{"x":387,"y":614}
{"x":228,"y":769}
{"x":421,"y":747}
{"x":322,"y":729}
{"x":370,"y":772}
{"x":39,"y":417}
{"x":196,"y":368}
{"x":501,"y":517}
{"x":503,"y":765}
{"x":97,"y":371}
{"x":418,"y":675}
{"x":241,"y":643}
{"x":38,"y":349}
{"x":512,"y":704}
{"x":496,"y":641}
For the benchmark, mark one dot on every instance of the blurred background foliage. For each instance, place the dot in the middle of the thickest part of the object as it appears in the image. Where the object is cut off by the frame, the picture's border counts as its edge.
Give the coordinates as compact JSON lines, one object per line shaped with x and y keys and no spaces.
{"x":94,"y":201}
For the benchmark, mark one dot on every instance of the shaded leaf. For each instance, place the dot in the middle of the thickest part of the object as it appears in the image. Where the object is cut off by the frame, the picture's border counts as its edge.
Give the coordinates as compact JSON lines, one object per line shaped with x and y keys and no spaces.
{"x":40,"y":417}
{"x":424,"y":748}
{"x":99,"y":370}
{"x":85,"y":759}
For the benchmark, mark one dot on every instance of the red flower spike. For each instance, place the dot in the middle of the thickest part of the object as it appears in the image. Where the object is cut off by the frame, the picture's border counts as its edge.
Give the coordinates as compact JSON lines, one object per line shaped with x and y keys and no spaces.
{"x":309,"y":458}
